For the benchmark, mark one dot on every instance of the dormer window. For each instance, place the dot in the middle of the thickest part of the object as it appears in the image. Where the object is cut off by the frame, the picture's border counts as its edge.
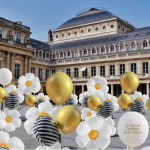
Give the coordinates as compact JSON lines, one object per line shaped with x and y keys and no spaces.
{"x":85,"y":52}
{"x":133,"y":46}
{"x":93,"y":50}
{"x":144,"y":44}
{"x":69,"y":34}
{"x":18,"y":37}
{"x":82,"y":31}
{"x":63,"y":35}
{"x":75,"y":33}
{"x":122,"y":47}
{"x":102,"y":49}
{"x":40,"y":54}
{"x":96,"y":29}
{"x":104,"y":27}
{"x":0,"y":32}
{"x":61,"y":54}
{"x":112,"y":26}
{"x":112,"y":48}
{"x":68,"y":54}
{"x":89,"y":30}
{"x":47,"y":55}
{"x":56,"y":36}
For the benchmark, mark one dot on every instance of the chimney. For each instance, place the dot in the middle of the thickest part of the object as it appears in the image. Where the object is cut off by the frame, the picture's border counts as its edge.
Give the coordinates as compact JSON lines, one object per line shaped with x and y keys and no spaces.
{"x":50,"y":35}
{"x":19,"y":22}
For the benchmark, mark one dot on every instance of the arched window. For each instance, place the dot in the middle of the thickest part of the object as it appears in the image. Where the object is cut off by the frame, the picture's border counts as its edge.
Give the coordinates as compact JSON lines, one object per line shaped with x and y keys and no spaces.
{"x":47,"y":55}
{"x":40,"y":54}
{"x":76,"y":53}
{"x":85,"y":52}
{"x":54,"y":55}
{"x":68,"y":54}
{"x":122,"y":47}
{"x":133,"y":46}
{"x":102,"y":49}
{"x":112,"y":48}
{"x":145,"y":44}
{"x":93,"y":50}
{"x":61,"y":54}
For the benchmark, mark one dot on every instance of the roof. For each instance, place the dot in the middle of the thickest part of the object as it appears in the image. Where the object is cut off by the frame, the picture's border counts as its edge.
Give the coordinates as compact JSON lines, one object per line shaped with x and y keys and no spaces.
{"x":140,"y":33}
{"x":89,"y":16}
{"x":39,"y":45}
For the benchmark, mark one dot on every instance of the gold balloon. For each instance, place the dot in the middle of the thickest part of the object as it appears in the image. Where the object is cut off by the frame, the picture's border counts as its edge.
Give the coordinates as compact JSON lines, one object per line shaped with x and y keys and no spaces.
{"x":59,"y":87}
{"x":148,"y":104}
{"x":68,"y":118}
{"x":124,"y":101}
{"x":94,"y":102}
{"x":30,"y":100}
{"x":129,"y":82}
{"x":2,"y":94}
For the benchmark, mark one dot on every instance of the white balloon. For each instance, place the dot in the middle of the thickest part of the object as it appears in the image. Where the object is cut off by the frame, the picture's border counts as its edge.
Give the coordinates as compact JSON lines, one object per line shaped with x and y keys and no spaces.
{"x":5,"y":76}
{"x":133,"y":129}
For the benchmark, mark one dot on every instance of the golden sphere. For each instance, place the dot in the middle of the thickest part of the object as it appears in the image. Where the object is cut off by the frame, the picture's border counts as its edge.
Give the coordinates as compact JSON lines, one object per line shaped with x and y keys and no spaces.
{"x":124,"y":101}
{"x":129,"y":82}
{"x":2,"y":94}
{"x":68,"y":118}
{"x":148,"y":104}
{"x":59,"y":87}
{"x":30,"y":100}
{"x":94,"y":102}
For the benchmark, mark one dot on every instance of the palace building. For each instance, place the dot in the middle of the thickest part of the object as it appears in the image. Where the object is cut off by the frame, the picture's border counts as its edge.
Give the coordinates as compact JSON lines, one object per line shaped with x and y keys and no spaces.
{"x":93,"y":43}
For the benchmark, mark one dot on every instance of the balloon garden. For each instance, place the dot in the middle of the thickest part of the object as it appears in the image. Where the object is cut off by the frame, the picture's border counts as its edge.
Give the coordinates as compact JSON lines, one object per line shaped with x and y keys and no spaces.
{"x":57,"y":113}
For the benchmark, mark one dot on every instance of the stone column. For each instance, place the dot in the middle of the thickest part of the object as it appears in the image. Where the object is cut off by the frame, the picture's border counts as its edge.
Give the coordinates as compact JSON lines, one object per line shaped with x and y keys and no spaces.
{"x":116,"y":69}
{"x":138,"y":67}
{"x":12,"y":64}
{"x":97,"y":70}
{"x":26,"y":65}
{"x":127,"y":67}
{"x":43,"y":74}
{"x":74,"y":90}
{"x":88,"y":72}
{"x":107,"y":70}
{"x":112,"y":89}
{"x":82,"y":88}
{"x":36,"y":71}
{"x":8,"y":59}
{"x":29,"y":67}
{"x":72,"y":72}
{"x":80,"y":72}
{"x":147,"y":88}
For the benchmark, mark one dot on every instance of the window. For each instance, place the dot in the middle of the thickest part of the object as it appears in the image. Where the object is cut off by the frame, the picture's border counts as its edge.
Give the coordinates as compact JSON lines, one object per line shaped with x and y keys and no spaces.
{"x":40,"y":54}
{"x":56,"y":36}
{"x":112,"y":48}
{"x":133,"y":67}
{"x":102,"y":49}
{"x":133,"y":46}
{"x":75,"y":33}
{"x":54,"y":55}
{"x":17,"y":71}
{"x":102,"y":70}
{"x":53,"y":71}
{"x":122,"y":69}
{"x":63,"y":35}
{"x":76,"y":72}
{"x":93,"y":50}
{"x":112,"y":70}
{"x":61,"y":54}
{"x":76,"y":53}
{"x":0,"y":32}
{"x":89,"y":30}
{"x":122,"y":47}
{"x":112,"y":26}
{"x":96,"y":29}
{"x":84,"y":73}
{"x":104,"y":27}
{"x":33,"y":53}
{"x":40,"y":74}
{"x":69,"y":34}
{"x":68,"y":54}
{"x":123,"y":29}
{"x":82,"y":31}
{"x":118,"y":27}
{"x":33,"y":70}
{"x":47,"y":55}
{"x":18,"y":37}
{"x":93,"y":71}
{"x":144,"y":44}
{"x":68,"y":72}
{"x":85,"y":52}
{"x":47,"y":73}
{"x":145,"y":67}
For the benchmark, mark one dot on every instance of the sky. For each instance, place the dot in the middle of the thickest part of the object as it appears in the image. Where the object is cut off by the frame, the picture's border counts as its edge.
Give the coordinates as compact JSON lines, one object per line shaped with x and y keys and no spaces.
{"x":43,"y":15}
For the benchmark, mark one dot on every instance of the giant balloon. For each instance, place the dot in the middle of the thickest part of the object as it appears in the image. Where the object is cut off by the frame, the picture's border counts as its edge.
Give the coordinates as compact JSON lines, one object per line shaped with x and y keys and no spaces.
{"x":5,"y":76}
{"x":129,"y":82}
{"x":59,"y":87}
{"x":68,"y":118}
{"x":133,"y":129}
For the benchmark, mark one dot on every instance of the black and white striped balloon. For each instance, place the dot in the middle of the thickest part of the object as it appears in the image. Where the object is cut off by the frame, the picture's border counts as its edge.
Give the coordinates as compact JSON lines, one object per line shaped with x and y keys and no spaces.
{"x":46,"y":130}
{"x":84,"y":101}
{"x":106,"y":109}
{"x":39,"y":102}
{"x":4,"y":148}
{"x":138,"y":106}
{"x":12,"y":101}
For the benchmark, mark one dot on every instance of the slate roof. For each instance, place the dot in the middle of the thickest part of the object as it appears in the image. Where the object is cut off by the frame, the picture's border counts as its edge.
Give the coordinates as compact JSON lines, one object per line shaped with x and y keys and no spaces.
{"x":88,"y":17}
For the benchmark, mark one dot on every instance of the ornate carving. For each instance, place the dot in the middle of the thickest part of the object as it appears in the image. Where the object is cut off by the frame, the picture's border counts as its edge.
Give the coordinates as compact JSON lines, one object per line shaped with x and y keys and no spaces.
{"x":10,"y":35}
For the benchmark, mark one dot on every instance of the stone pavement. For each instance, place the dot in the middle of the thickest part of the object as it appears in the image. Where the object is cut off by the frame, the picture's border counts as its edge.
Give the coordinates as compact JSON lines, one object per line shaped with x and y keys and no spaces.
{"x":69,"y":139}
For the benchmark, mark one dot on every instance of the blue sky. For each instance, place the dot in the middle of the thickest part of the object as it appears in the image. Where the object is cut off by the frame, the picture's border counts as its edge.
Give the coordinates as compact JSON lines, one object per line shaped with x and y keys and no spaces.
{"x":42,"y":15}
